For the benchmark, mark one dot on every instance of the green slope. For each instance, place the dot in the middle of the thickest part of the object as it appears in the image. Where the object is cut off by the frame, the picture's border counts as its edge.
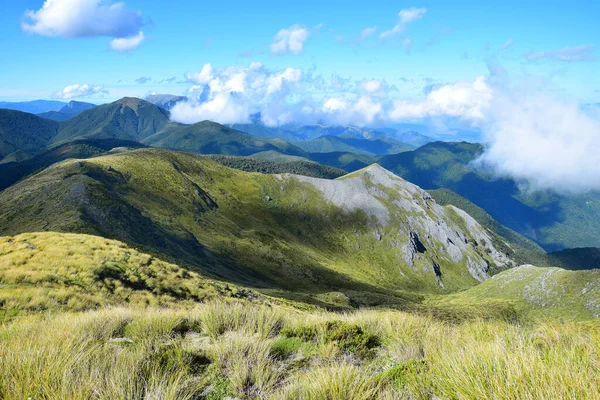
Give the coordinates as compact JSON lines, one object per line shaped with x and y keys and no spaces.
{"x":542,"y":292}
{"x":553,"y":221}
{"x":58,"y":271}
{"x":127,"y":119}
{"x":85,"y":148}
{"x":370,"y":235}
{"x":23,"y":132}
{"x":330,"y":144}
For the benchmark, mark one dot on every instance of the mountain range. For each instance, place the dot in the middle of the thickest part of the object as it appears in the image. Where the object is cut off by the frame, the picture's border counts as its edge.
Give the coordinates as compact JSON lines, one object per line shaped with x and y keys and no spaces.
{"x":142,"y":258}
{"x":551,"y":220}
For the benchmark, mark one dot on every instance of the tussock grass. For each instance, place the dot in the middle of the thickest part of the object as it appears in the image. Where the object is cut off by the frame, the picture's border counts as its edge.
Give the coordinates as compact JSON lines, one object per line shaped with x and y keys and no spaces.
{"x":238,"y":349}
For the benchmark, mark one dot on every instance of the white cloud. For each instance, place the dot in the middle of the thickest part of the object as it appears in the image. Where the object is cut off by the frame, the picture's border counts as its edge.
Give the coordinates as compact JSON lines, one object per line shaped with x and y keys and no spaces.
{"x":364,"y":111}
{"x":256,"y":65}
{"x":507,"y":44}
{"x":464,"y":100}
{"x":290,"y":40}
{"x":127,"y":45}
{"x":371,"y":86}
{"x":566,"y":54}
{"x":77,"y":90}
{"x":334,"y":105}
{"x":366,"y":33}
{"x":412,"y":14}
{"x":222,"y":107}
{"x":203,"y":77}
{"x":543,"y":141}
{"x":275,"y":82}
{"x":405,"y":17}
{"x":87,"y":18}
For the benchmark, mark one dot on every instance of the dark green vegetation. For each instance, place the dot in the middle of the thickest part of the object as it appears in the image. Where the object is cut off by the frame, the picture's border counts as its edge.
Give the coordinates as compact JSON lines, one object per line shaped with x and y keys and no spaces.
{"x":208,"y":137}
{"x":576,"y":259}
{"x":552,"y":220}
{"x":250,"y":164}
{"x":347,"y":161}
{"x":374,"y":147}
{"x":22,"y":133}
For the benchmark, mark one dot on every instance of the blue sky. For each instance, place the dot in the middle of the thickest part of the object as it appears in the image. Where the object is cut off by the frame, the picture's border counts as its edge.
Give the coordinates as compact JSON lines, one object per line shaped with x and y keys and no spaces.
{"x":451,"y":41}
{"x":522,"y":74}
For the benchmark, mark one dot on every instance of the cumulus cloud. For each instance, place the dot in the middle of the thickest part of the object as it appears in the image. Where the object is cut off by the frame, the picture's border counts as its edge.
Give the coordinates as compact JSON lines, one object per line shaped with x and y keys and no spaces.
{"x":77,"y":90}
{"x":87,"y":18}
{"x":364,"y":111}
{"x":465,"y":100}
{"x":127,"y":45}
{"x":543,"y":141}
{"x":237,"y":94}
{"x":405,"y":17}
{"x":566,"y":54}
{"x":290,"y":40}
{"x":371,"y":86}
{"x":233,"y":94}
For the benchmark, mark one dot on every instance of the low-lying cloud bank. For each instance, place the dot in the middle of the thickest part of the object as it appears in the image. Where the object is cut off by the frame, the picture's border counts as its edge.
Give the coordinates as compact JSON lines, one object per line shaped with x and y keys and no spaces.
{"x":543,"y":141}
{"x":531,"y":135}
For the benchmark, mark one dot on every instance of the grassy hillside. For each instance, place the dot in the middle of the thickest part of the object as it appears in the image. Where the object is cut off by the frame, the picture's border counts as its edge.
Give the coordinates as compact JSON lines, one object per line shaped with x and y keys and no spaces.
{"x":306,"y":168}
{"x":211,"y":138}
{"x":21,"y":131}
{"x":245,"y":350}
{"x":85,"y":148}
{"x":58,"y":272}
{"x":331,"y":144}
{"x":369,"y":236}
{"x":553,"y":221}
{"x":551,"y":293}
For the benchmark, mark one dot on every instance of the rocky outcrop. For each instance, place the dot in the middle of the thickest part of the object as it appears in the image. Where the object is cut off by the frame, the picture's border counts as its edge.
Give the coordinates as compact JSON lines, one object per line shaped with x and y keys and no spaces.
{"x":422,"y":232}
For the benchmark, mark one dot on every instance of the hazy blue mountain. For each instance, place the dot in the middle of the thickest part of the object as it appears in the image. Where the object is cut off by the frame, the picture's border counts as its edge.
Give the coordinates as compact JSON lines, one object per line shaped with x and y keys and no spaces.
{"x":166,"y":101}
{"x":72,"y":109}
{"x":34,"y":107}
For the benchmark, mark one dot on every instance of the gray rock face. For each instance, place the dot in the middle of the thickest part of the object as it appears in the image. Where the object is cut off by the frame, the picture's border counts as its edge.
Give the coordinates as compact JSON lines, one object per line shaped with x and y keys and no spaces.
{"x":421,"y":231}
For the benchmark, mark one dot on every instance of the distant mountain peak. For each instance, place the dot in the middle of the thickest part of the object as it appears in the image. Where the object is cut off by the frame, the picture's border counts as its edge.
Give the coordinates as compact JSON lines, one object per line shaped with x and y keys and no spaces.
{"x":166,"y":101}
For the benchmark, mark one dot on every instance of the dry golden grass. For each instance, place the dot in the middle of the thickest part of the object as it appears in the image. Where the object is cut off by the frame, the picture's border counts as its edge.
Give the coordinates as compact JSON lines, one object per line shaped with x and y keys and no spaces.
{"x":236,"y":349}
